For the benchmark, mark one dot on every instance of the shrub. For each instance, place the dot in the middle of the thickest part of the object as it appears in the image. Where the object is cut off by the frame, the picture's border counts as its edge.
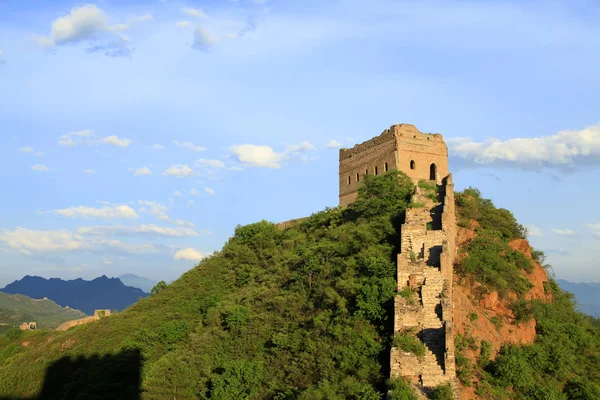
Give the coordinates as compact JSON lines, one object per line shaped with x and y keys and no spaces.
{"x":442,"y":392}
{"x":407,"y":341}
{"x":473,"y":316}
{"x":399,"y":389}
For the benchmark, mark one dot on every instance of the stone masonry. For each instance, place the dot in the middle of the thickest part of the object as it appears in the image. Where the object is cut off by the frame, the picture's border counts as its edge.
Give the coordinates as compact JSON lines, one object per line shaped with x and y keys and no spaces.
{"x":425,"y":266}
{"x":427,"y":247}
{"x":401,"y":147}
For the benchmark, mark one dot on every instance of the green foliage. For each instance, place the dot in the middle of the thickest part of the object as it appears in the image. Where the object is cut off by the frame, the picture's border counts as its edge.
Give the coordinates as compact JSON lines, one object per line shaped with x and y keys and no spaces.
{"x":158,"y":287}
{"x":304,"y":312}
{"x":473,"y":316}
{"x":239,"y":379}
{"x":489,"y":259}
{"x":471,"y":205}
{"x":413,"y":256}
{"x":497,"y":321}
{"x":172,"y":332}
{"x":523,"y":310}
{"x":442,"y":392}
{"x":485,"y":351}
{"x":407,"y":341}
{"x":399,"y":389}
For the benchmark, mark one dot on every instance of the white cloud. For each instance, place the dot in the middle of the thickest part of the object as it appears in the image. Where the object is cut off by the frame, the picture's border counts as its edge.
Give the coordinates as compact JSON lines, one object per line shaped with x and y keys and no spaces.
{"x":146,"y":230}
{"x":89,"y":171}
{"x":39,"y":153}
{"x":595,"y":227}
{"x":156,"y":209}
{"x":203,"y":39}
{"x":183,"y":24}
{"x":144,"y":171}
{"x":158,"y":147}
{"x":195,"y":12}
{"x":177,"y":193}
{"x":85,"y":23}
{"x":189,"y":146}
{"x":27,"y":241}
{"x":299,"y":148}
{"x":115,"y":141}
{"x":257,"y":156}
{"x":40,"y":168}
{"x":533,"y":230}
{"x":181,"y":222}
{"x":107,"y":262}
{"x":27,"y":149}
{"x":188,"y":254}
{"x":265,"y":156}
{"x":194,"y":192}
{"x":209,"y":191}
{"x":562,"y":231}
{"x":334,"y":144}
{"x":565,"y":148}
{"x":87,"y":136}
{"x":191,"y":203}
{"x":179,"y":171}
{"x":106,"y":212}
{"x":209,"y":163}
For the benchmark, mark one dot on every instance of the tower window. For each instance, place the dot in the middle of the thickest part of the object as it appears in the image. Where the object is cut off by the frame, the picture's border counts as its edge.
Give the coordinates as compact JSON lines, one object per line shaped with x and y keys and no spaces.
{"x":432,"y":172}
{"x":357,"y":177}
{"x":366,"y":172}
{"x":412,"y":164}
{"x":348,"y":180}
{"x":375,"y":170}
{"x":386,"y":167}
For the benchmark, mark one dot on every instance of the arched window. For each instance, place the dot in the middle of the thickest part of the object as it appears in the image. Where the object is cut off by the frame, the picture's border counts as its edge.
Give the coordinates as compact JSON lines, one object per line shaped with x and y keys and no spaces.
{"x":357,"y":177}
{"x":433,"y":172}
{"x":366,"y":172}
{"x":348,"y":180}
{"x":412,"y":164}
{"x":376,"y":171}
{"x":386,"y":167}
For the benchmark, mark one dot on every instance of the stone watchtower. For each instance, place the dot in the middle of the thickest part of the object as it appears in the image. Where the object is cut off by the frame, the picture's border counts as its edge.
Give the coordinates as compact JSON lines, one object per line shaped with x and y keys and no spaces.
{"x":401,"y":147}
{"x":424,"y":304}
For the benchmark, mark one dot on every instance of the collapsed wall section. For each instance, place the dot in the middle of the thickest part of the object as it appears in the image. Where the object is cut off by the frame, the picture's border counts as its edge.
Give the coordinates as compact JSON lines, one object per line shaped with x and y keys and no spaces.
{"x":424,"y":304}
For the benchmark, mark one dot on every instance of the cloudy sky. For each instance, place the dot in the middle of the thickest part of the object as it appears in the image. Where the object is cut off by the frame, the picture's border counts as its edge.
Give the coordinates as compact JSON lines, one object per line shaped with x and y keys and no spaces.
{"x":135,"y":136}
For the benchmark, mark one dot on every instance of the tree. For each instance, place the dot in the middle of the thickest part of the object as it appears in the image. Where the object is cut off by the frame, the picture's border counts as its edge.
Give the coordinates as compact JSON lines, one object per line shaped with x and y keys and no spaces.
{"x":158,"y":287}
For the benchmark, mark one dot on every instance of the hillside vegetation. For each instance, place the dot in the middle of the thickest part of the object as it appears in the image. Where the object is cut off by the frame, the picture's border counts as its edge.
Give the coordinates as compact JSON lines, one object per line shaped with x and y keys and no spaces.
{"x":299,"y":313}
{"x":16,"y":309}
{"x":564,"y":360}
{"x":305,"y":312}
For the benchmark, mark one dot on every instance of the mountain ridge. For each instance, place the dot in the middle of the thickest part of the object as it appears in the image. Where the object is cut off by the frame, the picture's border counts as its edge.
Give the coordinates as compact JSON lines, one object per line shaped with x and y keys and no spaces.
{"x":100,"y":293}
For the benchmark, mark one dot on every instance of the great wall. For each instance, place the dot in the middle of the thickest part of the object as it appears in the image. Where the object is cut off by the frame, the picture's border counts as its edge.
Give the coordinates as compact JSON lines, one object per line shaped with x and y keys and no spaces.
{"x":424,"y":304}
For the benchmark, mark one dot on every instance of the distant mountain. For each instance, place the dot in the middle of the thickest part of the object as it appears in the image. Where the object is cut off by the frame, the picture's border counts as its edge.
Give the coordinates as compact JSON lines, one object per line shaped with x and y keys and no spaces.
{"x":17,"y":308}
{"x":139,"y":282}
{"x":587,"y":295}
{"x":100,"y":293}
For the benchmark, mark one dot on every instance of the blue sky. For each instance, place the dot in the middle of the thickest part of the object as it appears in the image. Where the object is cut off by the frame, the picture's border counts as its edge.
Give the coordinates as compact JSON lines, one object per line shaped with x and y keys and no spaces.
{"x":135,"y":136}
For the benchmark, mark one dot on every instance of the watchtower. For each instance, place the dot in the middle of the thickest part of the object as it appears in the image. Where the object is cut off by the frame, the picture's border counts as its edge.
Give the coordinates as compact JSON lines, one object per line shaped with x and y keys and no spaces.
{"x":401,"y":147}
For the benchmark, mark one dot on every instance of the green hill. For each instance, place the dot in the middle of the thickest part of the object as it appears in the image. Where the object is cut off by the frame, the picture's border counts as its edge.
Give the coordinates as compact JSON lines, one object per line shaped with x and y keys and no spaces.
{"x":17,"y":308}
{"x":303,"y":312}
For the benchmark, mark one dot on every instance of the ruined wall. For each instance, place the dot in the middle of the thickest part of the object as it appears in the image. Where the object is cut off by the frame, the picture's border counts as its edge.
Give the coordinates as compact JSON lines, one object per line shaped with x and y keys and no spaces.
{"x":373,"y":157}
{"x":98,"y":314}
{"x":425,"y":265}
{"x":400,"y":147}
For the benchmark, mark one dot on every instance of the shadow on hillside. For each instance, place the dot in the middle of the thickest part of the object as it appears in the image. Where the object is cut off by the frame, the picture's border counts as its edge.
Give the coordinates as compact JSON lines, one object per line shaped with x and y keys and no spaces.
{"x":113,"y":376}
